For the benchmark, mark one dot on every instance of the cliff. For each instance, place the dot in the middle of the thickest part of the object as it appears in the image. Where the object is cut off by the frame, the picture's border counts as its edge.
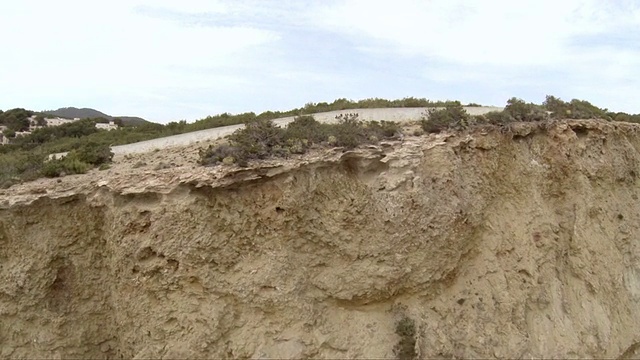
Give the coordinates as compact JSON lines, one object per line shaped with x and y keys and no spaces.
{"x":513,"y":244}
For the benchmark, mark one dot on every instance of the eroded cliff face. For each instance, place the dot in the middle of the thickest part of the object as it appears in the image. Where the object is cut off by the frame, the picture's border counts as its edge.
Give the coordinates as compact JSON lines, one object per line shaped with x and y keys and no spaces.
{"x":518,"y":244}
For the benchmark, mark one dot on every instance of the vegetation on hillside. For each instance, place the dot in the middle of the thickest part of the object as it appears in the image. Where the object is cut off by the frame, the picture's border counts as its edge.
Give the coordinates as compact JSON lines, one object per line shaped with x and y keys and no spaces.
{"x":263,"y":139}
{"x":452,"y":116}
{"x":15,"y":120}
{"x":24,"y":158}
{"x":78,"y":161}
{"x":87,"y":113}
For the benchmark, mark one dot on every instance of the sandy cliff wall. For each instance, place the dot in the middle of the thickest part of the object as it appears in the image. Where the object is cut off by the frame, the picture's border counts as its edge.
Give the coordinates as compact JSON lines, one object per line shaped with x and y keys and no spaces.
{"x":518,"y":244}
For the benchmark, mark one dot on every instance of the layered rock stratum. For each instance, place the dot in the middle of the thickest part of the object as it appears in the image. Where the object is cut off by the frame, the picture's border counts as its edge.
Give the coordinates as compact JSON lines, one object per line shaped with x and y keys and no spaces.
{"x":513,"y":243}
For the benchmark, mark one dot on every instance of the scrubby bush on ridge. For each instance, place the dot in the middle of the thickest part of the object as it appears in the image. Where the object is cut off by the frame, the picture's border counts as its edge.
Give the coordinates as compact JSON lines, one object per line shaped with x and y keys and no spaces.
{"x":525,"y":112}
{"x":263,"y":139}
{"x":452,"y":116}
{"x":575,"y":109}
{"x":23,"y":158}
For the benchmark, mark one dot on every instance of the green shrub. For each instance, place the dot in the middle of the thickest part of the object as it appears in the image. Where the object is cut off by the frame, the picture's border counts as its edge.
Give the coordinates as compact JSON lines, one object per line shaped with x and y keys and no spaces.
{"x":384,"y":129}
{"x":216,"y":154}
{"x":306,"y":127}
{"x":9,"y":133}
{"x":406,"y":347}
{"x":262,"y":139}
{"x":68,"y":165}
{"x":522,"y":111}
{"x":258,"y":140}
{"x":575,"y":109}
{"x":349,"y":131}
{"x":451,"y":116}
{"x":498,"y":117}
{"x":17,"y":166}
{"x":94,"y":153}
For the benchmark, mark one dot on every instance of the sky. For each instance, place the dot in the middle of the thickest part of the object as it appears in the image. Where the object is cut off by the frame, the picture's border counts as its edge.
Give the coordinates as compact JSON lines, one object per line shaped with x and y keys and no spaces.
{"x":171,"y":60}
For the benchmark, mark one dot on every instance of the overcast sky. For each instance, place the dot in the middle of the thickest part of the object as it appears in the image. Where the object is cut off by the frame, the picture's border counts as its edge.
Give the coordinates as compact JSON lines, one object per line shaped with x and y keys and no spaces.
{"x":169,"y":60}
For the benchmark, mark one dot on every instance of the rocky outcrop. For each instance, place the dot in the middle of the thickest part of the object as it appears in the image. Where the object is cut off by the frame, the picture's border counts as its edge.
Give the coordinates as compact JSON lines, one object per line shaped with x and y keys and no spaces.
{"x":515,"y":244}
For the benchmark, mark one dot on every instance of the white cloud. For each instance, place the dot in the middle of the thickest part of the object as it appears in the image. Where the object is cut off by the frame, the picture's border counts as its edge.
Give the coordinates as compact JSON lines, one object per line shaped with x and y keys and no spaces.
{"x":528,"y":46}
{"x":185,"y":6}
{"x":110,"y":46}
{"x":527,"y":32}
{"x":169,"y":60}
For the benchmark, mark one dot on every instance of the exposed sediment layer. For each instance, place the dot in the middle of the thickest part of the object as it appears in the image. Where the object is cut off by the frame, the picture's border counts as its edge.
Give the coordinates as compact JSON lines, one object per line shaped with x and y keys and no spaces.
{"x":514,"y":244}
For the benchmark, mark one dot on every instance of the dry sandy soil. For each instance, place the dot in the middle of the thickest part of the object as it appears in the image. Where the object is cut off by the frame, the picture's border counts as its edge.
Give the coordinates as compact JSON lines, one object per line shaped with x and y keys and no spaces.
{"x":147,"y":163}
{"x":512,"y":243}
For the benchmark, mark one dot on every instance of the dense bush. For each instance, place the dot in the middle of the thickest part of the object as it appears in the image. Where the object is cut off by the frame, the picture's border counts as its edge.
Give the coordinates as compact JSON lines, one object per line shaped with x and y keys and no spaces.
{"x":20,"y":166}
{"x":495,"y":118}
{"x":575,"y":109}
{"x":349,"y":132}
{"x":26,"y":165}
{"x":93,"y":153}
{"x":259,"y":140}
{"x":9,"y":133}
{"x":526,"y":112}
{"x":16,"y":119}
{"x":384,"y":129}
{"x":263,"y":139}
{"x":78,"y":161}
{"x":450,"y":117}
{"x":625,"y":117}
{"x":67,"y":165}
{"x":306,"y":127}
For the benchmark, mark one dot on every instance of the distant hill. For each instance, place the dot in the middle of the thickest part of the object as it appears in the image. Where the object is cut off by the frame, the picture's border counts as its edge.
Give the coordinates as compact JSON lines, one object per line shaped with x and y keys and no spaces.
{"x":72,"y":113}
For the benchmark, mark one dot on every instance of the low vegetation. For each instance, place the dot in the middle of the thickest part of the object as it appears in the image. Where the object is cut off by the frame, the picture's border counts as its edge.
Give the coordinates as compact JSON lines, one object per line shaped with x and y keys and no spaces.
{"x":405,"y":349}
{"x":578,"y":109}
{"x":263,"y":139}
{"x":19,"y":166}
{"x":452,"y":116}
{"x":25,"y":156}
{"x":78,"y":161}
{"x":15,"y":120}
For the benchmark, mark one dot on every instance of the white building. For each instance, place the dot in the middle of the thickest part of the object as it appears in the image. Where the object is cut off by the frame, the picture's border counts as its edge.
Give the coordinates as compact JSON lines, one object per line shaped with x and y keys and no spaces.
{"x":58,"y":121}
{"x":110,"y":126}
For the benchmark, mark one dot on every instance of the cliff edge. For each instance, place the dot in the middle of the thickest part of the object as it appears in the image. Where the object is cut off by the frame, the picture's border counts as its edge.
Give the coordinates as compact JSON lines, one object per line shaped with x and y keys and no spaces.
{"x":515,"y":244}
